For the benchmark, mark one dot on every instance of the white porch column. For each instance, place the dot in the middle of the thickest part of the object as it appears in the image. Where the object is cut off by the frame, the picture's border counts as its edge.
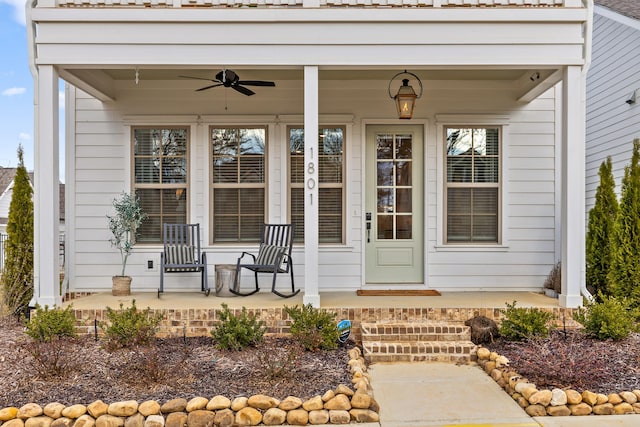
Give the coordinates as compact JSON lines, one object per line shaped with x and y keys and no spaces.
{"x":311,"y":294}
{"x":46,"y":191}
{"x":573,"y":187}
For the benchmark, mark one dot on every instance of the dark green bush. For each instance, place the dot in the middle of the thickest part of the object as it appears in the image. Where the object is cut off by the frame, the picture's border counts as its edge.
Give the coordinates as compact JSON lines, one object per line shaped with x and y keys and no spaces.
{"x":316,"y":329}
{"x":237,"y":332}
{"x":611,"y":318}
{"x":129,"y":326}
{"x":47,"y":323}
{"x":524,"y":323}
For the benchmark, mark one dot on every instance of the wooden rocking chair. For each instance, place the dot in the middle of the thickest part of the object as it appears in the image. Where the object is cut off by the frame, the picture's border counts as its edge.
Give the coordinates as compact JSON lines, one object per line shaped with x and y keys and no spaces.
{"x":274,"y":256}
{"x":182,"y":254}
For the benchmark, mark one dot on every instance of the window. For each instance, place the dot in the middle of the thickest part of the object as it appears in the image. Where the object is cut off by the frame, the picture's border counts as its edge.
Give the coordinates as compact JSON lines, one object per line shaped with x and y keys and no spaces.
{"x":472,"y":184}
{"x":330,"y":187}
{"x":238,"y":183}
{"x":160,"y":169}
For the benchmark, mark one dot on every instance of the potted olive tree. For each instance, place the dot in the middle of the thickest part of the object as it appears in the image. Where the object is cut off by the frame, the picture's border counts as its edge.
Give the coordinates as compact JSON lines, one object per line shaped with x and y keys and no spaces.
{"x":124,"y":227}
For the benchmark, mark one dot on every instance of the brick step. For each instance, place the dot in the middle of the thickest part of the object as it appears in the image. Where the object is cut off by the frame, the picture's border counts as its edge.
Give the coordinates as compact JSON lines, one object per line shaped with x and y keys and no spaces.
{"x":414,"y":332}
{"x":421,"y":351}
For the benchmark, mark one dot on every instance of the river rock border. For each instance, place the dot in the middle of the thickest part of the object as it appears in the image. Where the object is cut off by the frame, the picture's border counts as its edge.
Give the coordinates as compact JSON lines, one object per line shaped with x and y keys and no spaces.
{"x":343,"y":405}
{"x":556,"y":402}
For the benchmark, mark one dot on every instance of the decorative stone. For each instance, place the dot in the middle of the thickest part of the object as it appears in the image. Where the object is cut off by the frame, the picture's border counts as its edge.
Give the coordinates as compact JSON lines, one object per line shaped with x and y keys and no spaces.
{"x":361,"y":401}
{"x":218,"y":402}
{"x":558,"y":411}
{"x":290,"y":403}
{"x":483,"y":353}
{"x":501,"y":362}
{"x":8,"y":413}
{"x":62,"y":422}
{"x":536,"y":410}
{"x":174,"y":405}
{"x":200,"y":418}
{"x":343,"y":389}
{"x":197,"y":403}
{"x":150,"y":407}
{"x":558,"y":397}
{"x":224,"y":418}
{"x":629,"y":397}
{"x":248,"y":416}
{"x":580,"y":409}
{"x":262,"y":401}
{"x":604,"y":409}
{"x":136,"y":420}
{"x":374,"y":406}
{"x":522,"y":402}
{"x":493,"y":356}
{"x":176,"y":419}
{"x":54,"y":410}
{"x":298,"y":417}
{"x":319,"y":417}
{"x":489,"y":366}
{"x":74,"y":411}
{"x":239,"y":403}
{"x":542,"y":397}
{"x":339,"y":417}
{"x":274,"y":417}
{"x":614,"y":399}
{"x":526,"y":389}
{"x":623,"y":408}
{"x":123,"y":409}
{"x":314,"y":404}
{"x":364,"y":416}
{"x":636,"y":408}
{"x":109,"y":421}
{"x":338,"y":403}
{"x":85,"y":421}
{"x":15,"y":422}
{"x":154,"y":421}
{"x":97,"y":409}
{"x":29,"y":410}
{"x":330,"y":394}
{"x":589,"y":397}
{"x":573,"y":397}
{"x":601,"y":398}
{"x":637,"y":393}
{"x":496,"y":375}
{"x":41,"y":421}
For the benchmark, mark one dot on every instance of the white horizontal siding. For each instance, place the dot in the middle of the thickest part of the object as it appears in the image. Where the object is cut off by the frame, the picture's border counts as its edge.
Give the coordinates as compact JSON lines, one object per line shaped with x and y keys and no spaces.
{"x":614,"y":74}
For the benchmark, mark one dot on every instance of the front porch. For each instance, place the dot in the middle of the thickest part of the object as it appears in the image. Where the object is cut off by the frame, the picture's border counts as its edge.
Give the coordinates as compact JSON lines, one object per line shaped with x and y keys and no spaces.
{"x":192,"y":313}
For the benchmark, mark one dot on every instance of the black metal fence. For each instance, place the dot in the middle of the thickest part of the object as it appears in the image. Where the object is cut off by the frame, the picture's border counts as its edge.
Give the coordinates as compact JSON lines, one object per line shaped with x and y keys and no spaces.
{"x":3,"y":237}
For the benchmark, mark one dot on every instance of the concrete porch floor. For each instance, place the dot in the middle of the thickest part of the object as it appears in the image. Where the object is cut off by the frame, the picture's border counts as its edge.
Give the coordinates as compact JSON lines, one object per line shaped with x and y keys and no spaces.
{"x":197,"y":300}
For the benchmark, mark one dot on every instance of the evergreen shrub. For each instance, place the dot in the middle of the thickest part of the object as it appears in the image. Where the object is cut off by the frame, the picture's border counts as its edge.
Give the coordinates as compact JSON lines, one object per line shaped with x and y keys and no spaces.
{"x":130,"y":327}
{"x":524,"y":323}
{"x":235,"y":332}
{"x":610,"y":318}
{"x":315,"y":328}
{"x":46,"y":324}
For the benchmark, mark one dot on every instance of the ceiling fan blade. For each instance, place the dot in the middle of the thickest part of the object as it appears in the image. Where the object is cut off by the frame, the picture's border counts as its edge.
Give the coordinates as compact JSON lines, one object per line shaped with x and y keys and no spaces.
{"x":208,"y":87}
{"x":243,"y":90}
{"x":256,"y":83}
{"x":197,"y":78}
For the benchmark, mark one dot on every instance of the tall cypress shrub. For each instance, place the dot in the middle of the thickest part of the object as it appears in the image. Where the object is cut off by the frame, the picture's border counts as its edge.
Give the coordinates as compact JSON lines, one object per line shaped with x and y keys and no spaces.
{"x":624,"y":274}
{"x":17,"y":276}
{"x":602,"y":218}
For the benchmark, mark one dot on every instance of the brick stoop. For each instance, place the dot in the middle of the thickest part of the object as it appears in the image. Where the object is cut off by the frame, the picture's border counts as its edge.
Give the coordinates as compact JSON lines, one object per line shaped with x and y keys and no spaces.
{"x":417,"y":342}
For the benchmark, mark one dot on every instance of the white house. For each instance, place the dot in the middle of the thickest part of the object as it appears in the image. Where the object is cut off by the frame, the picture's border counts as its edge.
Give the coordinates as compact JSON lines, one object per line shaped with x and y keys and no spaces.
{"x":482,"y":189}
{"x":613,"y":90}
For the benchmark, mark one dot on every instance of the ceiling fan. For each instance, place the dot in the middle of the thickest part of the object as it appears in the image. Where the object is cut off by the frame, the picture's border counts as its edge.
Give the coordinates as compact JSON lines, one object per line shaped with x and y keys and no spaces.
{"x":228,"y":78}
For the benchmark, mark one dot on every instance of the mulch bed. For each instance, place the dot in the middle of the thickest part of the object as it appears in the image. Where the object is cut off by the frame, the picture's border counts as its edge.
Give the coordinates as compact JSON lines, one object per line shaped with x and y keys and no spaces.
{"x":573,"y":360}
{"x":81,"y":371}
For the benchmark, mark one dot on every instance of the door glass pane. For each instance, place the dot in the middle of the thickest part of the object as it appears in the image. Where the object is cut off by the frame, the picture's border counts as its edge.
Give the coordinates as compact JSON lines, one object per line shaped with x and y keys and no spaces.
{"x":394,"y":181}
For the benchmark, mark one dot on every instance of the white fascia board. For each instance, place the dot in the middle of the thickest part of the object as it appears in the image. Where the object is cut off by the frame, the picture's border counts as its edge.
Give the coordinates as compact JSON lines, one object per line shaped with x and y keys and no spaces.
{"x":94,"y":82}
{"x":615,"y":16}
{"x":311,"y":15}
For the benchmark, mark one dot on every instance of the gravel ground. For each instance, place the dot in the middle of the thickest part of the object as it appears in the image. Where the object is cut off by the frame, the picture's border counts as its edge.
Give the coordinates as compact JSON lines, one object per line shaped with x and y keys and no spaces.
{"x":81,"y":371}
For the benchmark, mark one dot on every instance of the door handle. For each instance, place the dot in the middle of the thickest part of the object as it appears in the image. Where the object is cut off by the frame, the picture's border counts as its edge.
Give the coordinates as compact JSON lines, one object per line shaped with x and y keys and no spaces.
{"x":368,"y":217}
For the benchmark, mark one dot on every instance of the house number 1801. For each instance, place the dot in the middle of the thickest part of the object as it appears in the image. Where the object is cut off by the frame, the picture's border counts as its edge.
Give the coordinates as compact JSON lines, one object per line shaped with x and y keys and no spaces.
{"x":311,"y":182}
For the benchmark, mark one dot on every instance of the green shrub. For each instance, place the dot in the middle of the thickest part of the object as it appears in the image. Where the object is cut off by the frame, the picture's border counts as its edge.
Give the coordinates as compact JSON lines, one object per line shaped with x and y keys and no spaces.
{"x":129,"y":327}
{"x":47,"y":323}
{"x":524,"y":323}
{"x":611,"y":318}
{"x":316,"y":329}
{"x":237,"y":332}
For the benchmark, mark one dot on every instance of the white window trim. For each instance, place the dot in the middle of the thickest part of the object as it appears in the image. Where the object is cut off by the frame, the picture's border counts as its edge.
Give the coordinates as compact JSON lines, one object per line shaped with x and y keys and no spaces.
{"x":345,"y":120}
{"x":443,"y":120}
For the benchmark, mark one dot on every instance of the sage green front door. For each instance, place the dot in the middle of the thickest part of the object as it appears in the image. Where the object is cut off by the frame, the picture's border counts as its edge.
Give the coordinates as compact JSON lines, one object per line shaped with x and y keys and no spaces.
{"x":394,"y":235}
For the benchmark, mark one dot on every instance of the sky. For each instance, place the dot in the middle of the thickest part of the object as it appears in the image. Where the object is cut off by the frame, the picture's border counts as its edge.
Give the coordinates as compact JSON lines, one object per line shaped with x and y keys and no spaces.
{"x":16,"y":88}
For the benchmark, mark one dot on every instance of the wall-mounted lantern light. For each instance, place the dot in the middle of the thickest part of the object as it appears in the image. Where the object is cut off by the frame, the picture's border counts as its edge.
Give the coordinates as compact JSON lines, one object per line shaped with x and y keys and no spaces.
{"x":405,"y":97}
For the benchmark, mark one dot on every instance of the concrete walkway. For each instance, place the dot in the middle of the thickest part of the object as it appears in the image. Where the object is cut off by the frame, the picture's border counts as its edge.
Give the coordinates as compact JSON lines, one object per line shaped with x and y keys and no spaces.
{"x":447,"y":395}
